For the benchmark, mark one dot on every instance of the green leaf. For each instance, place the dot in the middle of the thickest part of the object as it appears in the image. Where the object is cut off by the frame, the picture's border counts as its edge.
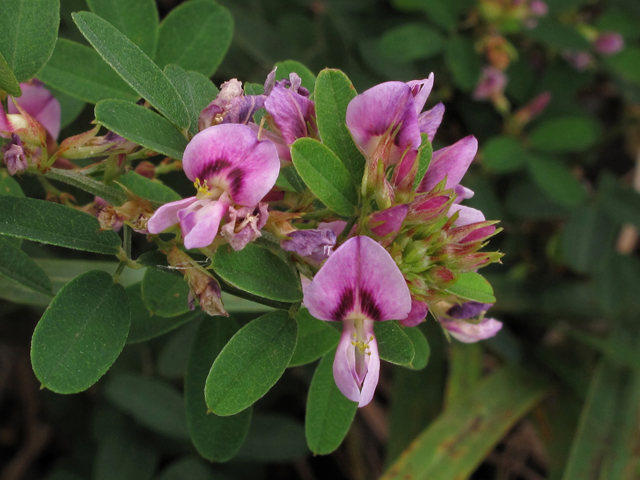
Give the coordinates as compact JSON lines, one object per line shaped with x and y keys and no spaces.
{"x":191,"y":468}
{"x":626,"y":63}
{"x":503,"y":154}
{"x":16,"y":264}
{"x":483,"y":417}
{"x":553,"y":33}
{"x":55,"y":224}
{"x":315,"y":338}
{"x":565,"y":134}
{"x":465,"y":370}
{"x":195,"y":35}
{"x":61,"y":271}
{"x":291,"y":66}
{"x":420,"y":346}
{"x":152,"y":403}
{"x":29,"y":30}
{"x":325,"y":175}
{"x":425,"y":154}
{"x":81,"y":334}
{"x":174,"y":355}
{"x":273,"y":438}
{"x":329,"y":412}
{"x":473,"y":286}
{"x":8,"y":80}
{"x":394,"y":345}
{"x":9,"y":186}
{"x":334,"y":91}
{"x":164,"y":294}
{"x":141,"y":126}
{"x":145,"y":325}
{"x":122,"y":456}
{"x":251,"y":363}
{"x":556,"y":181}
{"x":463,"y":61}
{"x":144,"y":187}
{"x":586,"y":235}
{"x":253,"y":269}
{"x":79,"y":71}
{"x":216,"y":438}
{"x":135,"y":68}
{"x":606,"y":442}
{"x":137,"y":20}
{"x":292,"y":179}
{"x":197,"y":91}
{"x":410,"y":42}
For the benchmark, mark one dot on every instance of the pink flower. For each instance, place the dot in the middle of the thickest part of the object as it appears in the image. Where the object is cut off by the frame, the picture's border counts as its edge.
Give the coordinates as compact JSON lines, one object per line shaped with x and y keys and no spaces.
{"x":608,"y":43}
{"x":38,"y":102}
{"x":229,"y":165}
{"x":491,"y":84}
{"x":359,"y":284}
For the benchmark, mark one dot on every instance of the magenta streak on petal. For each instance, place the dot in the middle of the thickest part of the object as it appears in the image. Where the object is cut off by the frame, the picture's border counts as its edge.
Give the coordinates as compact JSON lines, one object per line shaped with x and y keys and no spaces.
{"x":231,"y":157}
{"x":430,"y":120}
{"x":451,"y":162}
{"x":167,"y":215}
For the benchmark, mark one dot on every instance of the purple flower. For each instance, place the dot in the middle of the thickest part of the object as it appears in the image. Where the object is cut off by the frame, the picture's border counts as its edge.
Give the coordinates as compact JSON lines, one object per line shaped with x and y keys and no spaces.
{"x":383,"y":121}
{"x":608,"y":43}
{"x":491,"y":84}
{"x":38,"y":102}
{"x":230,"y":106}
{"x":451,"y":162}
{"x":358,"y":285}
{"x":466,"y":322}
{"x":14,"y":156}
{"x":228,"y":165}
{"x":292,"y":111}
{"x":316,"y":244}
{"x":244,"y":225}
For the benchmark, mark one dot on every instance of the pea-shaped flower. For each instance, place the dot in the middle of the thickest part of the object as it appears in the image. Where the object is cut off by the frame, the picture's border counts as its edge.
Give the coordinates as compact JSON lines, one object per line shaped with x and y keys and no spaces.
{"x":228,"y":165}
{"x":358,"y":285}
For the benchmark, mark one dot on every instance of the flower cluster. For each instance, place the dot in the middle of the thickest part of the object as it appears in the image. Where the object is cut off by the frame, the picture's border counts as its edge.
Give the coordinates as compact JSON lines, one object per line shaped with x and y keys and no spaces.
{"x":395,"y":259}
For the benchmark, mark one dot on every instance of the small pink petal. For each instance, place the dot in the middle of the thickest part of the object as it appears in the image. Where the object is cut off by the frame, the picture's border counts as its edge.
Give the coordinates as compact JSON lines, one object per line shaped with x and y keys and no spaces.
{"x":205,"y":228}
{"x":417,"y":314}
{"x":466,"y":215}
{"x":167,"y":215}
{"x":389,"y":221}
{"x":468,"y":332}
{"x":451,"y":162}
{"x":420,"y":89}
{"x":430,"y":120}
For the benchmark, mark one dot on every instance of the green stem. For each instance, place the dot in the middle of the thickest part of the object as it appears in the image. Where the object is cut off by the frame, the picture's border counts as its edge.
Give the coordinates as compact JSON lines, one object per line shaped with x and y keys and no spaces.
{"x":126,"y":241}
{"x":116,"y":276}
